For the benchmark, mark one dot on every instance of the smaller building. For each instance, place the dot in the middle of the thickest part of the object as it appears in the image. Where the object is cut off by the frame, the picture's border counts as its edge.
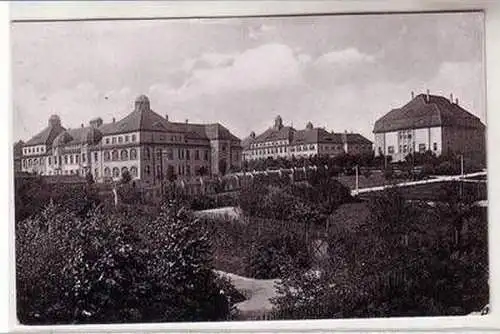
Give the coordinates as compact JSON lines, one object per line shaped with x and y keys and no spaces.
{"x":430,"y":123}
{"x":281,"y":141}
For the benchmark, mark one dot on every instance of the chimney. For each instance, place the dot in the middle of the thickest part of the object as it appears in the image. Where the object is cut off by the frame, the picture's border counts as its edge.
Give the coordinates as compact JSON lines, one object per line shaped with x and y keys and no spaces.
{"x":187,"y":121}
{"x":166,"y":117}
{"x":428,"y":97}
{"x":95,"y":123}
{"x":82,"y":125}
{"x":456,"y":101}
{"x":114,"y":120}
{"x":412,"y":95}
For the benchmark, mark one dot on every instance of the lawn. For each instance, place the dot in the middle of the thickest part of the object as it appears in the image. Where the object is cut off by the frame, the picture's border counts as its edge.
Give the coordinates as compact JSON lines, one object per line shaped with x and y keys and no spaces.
{"x":436,"y":191}
{"x":374,"y":180}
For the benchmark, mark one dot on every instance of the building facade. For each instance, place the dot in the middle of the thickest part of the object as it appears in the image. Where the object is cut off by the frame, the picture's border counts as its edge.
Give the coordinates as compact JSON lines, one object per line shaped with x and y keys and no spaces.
{"x":282,"y":141}
{"x":430,"y":123}
{"x":146,"y":145}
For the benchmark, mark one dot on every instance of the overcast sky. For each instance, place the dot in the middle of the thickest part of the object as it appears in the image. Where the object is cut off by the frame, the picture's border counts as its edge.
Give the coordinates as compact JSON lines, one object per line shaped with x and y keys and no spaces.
{"x":339,"y":72}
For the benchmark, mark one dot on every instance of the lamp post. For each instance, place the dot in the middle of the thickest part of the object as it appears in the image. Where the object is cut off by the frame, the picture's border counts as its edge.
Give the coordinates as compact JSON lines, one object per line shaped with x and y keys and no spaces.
{"x":356,"y":168}
{"x":461,"y":174}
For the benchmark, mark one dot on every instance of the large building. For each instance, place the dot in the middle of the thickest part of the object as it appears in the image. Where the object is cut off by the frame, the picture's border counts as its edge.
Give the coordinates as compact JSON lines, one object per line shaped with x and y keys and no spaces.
{"x":286,"y":142}
{"x":430,"y":123}
{"x":143,"y":143}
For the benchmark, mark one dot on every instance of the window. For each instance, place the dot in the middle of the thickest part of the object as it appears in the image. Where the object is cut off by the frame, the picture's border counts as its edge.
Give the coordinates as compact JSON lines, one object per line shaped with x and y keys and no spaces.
{"x":124,"y":170}
{"x":435,"y":146}
{"x":133,"y":171}
{"x":113,"y":140}
{"x":114,"y":155}
{"x":107,"y":156}
{"x":147,"y":154}
{"x":158,"y":154}
{"x":77,"y":158}
{"x":405,"y":148}
{"x":127,"y":138}
{"x":390,"y":149}
{"x":188,"y":155}
{"x":170,"y":154}
{"x":50,"y":161}
{"x":206,"y":155}
{"x":158,"y":172}
{"x":311,"y":147}
{"x":83,"y":157}
{"x":60,"y":160}
{"x":107,"y":140}
{"x":133,"y":138}
{"x":71,"y":159}
{"x":120,"y":139}
{"x":133,"y":154}
{"x":116,"y":172}
{"x":124,"y":154}
{"x":147,"y":170}
{"x":223,"y":148}
{"x":188,"y":170}
{"x":96,"y":157}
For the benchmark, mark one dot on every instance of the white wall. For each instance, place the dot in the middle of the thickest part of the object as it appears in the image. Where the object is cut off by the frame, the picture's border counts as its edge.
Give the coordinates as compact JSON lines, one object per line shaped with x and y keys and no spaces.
{"x":436,"y":137}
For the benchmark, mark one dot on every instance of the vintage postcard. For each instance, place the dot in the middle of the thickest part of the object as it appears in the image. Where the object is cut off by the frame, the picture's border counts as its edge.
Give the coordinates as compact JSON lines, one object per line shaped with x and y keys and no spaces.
{"x":250,"y":168}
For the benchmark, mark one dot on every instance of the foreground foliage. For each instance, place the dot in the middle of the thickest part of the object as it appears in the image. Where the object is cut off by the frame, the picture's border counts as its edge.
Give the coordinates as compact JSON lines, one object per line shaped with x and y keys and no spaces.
{"x":101,"y":268}
{"x":409,"y":259}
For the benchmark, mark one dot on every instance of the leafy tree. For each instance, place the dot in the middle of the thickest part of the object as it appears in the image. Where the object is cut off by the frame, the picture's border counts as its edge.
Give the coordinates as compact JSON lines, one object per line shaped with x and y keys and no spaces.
{"x":171,"y":176}
{"x":89,"y":178}
{"x":202,"y":171}
{"x":183,"y":262}
{"x":126,"y":177}
{"x":222,"y":166}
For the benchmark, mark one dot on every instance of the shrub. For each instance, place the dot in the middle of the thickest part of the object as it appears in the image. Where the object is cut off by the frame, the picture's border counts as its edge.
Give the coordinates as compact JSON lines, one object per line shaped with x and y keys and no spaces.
{"x":105,"y":268}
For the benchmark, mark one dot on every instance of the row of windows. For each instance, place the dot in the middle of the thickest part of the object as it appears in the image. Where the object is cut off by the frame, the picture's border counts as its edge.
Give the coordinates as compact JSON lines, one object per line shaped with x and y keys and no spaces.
{"x":38,"y":149}
{"x":116,"y":155}
{"x":275,"y":143}
{"x":182,"y":154}
{"x":117,"y":172}
{"x":133,"y":138}
{"x":275,"y":150}
{"x":408,"y":149}
{"x":120,"y":139}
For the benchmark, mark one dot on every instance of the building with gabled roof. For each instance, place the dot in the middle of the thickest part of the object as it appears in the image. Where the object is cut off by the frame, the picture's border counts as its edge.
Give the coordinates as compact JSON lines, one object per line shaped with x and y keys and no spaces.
{"x":142,"y":143}
{"x":287,"y":142}
{"x":429,"y":123}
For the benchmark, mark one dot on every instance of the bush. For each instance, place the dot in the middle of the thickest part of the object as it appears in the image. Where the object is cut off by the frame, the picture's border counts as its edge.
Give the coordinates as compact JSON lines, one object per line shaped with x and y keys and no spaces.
{"x":105,"y":268}
{"x":272,"y":256}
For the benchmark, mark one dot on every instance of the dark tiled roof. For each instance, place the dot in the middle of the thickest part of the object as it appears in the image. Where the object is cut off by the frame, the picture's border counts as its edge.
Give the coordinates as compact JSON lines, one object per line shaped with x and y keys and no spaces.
{"x":418,"y":113}
{"x":207,"y":131}
{"x":306,"y":136}
{"x":315,"y":135}
{"x":148,"y":120}
{"x":356,"y":138}
{"x":271,"y":134}
{"x":77,"y":136}
{"x":138,"y":120}
{"x":46,"y":136}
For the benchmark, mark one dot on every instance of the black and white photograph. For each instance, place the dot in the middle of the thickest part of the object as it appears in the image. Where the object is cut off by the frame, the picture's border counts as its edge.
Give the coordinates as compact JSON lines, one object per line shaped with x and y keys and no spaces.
{"x":262,"y":168}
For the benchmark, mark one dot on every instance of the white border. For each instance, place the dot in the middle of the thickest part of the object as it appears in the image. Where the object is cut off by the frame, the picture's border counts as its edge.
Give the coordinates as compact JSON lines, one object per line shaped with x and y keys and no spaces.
{"x":101,"y":10}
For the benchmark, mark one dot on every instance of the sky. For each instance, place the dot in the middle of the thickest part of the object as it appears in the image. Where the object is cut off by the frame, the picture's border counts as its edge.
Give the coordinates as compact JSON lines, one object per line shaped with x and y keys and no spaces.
{"x":339,"y":72}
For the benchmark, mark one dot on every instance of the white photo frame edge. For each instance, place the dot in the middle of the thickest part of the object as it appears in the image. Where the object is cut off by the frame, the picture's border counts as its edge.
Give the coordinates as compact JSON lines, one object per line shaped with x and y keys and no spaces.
{"x":209,"y":9}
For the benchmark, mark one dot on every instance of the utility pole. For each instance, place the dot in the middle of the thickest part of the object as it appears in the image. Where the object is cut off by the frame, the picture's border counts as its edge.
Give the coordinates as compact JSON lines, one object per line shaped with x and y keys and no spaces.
{"x":461,"y":175}
{"x":356,"y":168}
